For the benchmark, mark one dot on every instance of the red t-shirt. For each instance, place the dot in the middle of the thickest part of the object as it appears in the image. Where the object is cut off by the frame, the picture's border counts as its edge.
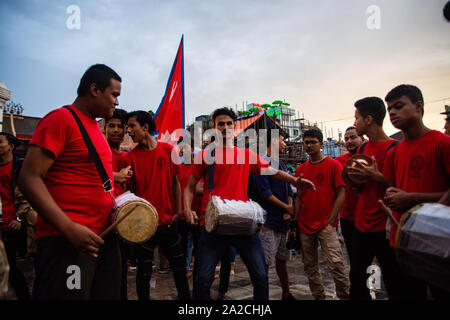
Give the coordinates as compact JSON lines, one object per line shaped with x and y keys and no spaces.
{"x":7,"y":209}
{"x":73,"y":180}
{"x":153,"y":174}
{"x":316,"y":207}
{"x":231,"y":171}
{"x":185,"y":171}
{"x":351,"y":197}
{"x":118,"y":163}
{"x":368,"y":215}
{"x":420,"y":166}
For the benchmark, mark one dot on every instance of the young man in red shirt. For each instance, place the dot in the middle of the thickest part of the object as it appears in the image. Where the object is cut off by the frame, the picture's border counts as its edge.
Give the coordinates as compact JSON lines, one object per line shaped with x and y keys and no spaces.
{"x":61,"y":182}
{"x":11,"y":228}
{"x":317,"y":216}
{"x":114,"y":133}
{"x":369,"y":238}
{"x":347,"y":214}
{"x":418,"y":168}
{"x":155,"y":168}
{"x":231,"y":171}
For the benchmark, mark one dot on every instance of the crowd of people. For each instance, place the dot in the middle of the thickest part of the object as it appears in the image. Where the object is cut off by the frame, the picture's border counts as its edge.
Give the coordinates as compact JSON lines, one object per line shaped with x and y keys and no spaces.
{"x":58,"y":198}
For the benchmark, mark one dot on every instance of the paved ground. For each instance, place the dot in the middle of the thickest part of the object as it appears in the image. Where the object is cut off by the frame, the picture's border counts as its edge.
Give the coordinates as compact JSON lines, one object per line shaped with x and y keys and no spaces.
{"x":163,"y":287}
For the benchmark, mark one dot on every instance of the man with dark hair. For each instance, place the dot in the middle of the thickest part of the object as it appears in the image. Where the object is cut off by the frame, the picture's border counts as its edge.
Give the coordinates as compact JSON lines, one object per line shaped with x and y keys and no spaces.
{"x":61,"y":182}
{"x":11,"y":225}
{"x":275,"y":197}
{"x":317,"y":214}
{"x":447,"y":120}
{"x":114,"y":132}
{"x":231,"y":168}
{"x":347,"y":214}
{"x":156,"y":180}
{"x":418,"y":168}
{"x":369,"y":237}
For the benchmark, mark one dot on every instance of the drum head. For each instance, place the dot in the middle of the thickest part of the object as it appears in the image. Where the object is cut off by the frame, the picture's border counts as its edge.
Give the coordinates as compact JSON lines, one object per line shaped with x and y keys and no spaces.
{"x":211,"y":217}
{"x":353,"y":162}
{"x":140,"y":225}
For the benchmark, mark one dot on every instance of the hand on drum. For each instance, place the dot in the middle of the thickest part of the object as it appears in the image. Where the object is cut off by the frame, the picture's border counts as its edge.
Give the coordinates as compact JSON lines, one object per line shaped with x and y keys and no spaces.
{"x":397,"y":200}
{"x":364,"y":172}
{"x":305,"y":183}
{"x":83,"y":239}
{"x":123,"y":174}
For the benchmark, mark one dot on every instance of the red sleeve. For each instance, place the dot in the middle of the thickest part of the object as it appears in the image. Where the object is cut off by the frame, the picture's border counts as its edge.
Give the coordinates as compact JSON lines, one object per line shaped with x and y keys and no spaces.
{"x":256,"y":162}
{"x":199,"y":168}
{"x":53,"y":131}
{"x":337,"y":172}
{"x":388,"y":169}
{"x":298,"y":171}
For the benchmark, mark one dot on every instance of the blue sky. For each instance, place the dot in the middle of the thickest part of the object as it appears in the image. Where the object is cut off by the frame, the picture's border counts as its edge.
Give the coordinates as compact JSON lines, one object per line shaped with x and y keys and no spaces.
{"x":319,"y":56}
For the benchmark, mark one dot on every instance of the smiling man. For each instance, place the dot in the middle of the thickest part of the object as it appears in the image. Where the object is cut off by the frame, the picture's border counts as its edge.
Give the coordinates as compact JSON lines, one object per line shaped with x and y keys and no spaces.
{"x":61,"y":182}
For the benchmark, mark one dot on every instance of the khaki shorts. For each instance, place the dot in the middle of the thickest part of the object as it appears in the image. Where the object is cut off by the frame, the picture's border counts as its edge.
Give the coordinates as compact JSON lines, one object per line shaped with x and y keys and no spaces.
{"x":274,"y":245}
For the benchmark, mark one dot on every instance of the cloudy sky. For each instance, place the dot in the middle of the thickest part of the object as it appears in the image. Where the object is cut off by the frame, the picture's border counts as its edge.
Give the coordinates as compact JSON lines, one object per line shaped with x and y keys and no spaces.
{"x":319,"y":56}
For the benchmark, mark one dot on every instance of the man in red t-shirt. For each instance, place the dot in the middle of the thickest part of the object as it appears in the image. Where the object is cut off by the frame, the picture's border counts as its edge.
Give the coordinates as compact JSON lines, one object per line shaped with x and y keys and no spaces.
{"x":114,"y":133}
{"x":11,"y":226}
{"x":347,"y":214}
{"x":231,"y":171}
{"x":369,"y":238}
{"x":418,"y":167}
{"x":61,"y":182}
{"x":317,"y":214}
{"x":155,"y":168}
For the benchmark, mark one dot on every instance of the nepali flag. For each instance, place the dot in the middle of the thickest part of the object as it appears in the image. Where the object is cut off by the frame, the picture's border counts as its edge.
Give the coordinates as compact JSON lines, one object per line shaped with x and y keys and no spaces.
{"x":169,"y":117}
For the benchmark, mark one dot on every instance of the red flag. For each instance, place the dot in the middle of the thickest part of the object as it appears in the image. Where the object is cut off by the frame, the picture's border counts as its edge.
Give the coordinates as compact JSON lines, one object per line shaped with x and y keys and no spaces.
{"x":169,"y":117}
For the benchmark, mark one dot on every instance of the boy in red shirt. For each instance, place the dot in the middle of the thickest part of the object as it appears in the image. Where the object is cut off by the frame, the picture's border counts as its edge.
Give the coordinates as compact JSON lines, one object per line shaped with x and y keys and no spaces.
{"x":231,"y":171}
{"x":114,"y":132}
{"x":317,"y":216}
{"x":155,"y":168}
{"x":418,"y":167}
{"x":11,"y":228}
{"x":61,"y":182}
{"x":369,"y":238}
{"x":347,"y":214}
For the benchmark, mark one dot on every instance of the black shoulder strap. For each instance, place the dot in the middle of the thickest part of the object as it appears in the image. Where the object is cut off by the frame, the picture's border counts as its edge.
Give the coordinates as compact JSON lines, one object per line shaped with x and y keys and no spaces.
{"x":361,"y":148}
{"x":393,"y":144}
{"x":93,"y":152}
{"x":211,"y":156}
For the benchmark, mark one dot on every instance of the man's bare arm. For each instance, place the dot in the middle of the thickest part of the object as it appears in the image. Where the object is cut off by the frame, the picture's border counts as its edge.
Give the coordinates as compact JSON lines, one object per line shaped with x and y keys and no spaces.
{"x":284,"y":176}
{"x":338,"y":202}
{"x":188,"y":196}
{"x":399,"y":200}
{"x":176,"y":189}
{"x":31,"y":183}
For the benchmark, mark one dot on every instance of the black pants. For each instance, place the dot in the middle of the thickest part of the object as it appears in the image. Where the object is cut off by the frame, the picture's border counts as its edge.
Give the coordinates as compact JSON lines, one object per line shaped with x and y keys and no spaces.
{"x":347,"y":229}
{"x":170,"y":242}
{"x":366,"y":246}
{"x":63,"y":272}
{"x":13,"y":240}
{"x":225,"y":270}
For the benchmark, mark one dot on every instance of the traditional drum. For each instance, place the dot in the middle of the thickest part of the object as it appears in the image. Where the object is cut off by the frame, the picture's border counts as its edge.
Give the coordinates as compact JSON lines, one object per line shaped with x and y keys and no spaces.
{"x":356,"y":160}
{"x":422,"y":244}
{"x":135,"y":219}
{"x":4,"y":271}
{"x":231,"y":217}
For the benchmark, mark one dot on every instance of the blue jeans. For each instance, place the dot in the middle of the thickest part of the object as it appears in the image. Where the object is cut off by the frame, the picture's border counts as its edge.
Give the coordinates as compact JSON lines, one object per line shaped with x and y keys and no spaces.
{"x":212,"y":248}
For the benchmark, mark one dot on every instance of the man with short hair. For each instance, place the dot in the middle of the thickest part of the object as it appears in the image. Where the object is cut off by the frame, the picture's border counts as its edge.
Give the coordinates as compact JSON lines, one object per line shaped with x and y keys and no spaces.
{"x":317,"y":216}
{"x":156,"y":180}
{"x":61,"y":182}
{"x":231,"y":168}
{"x":275,"y":197}
{"x":347,"y":214}
{"x":418,"y":169}
{"x":369,"y":237}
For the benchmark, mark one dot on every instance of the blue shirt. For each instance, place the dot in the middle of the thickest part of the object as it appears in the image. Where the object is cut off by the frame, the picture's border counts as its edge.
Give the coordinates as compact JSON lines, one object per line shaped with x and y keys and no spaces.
{"x":263,"y":186}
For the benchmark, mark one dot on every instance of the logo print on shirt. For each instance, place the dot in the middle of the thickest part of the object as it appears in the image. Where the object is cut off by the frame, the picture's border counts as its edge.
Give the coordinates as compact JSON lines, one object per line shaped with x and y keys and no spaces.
{"x":320,"y":179}
{"x":160,"y":163}
{"x":416,"y":165}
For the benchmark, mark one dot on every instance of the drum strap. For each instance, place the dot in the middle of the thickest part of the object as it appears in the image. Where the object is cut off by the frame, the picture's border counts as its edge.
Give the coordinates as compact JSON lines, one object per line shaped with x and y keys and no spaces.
{"x":94,"y":155}
{"x":211,"y":158}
